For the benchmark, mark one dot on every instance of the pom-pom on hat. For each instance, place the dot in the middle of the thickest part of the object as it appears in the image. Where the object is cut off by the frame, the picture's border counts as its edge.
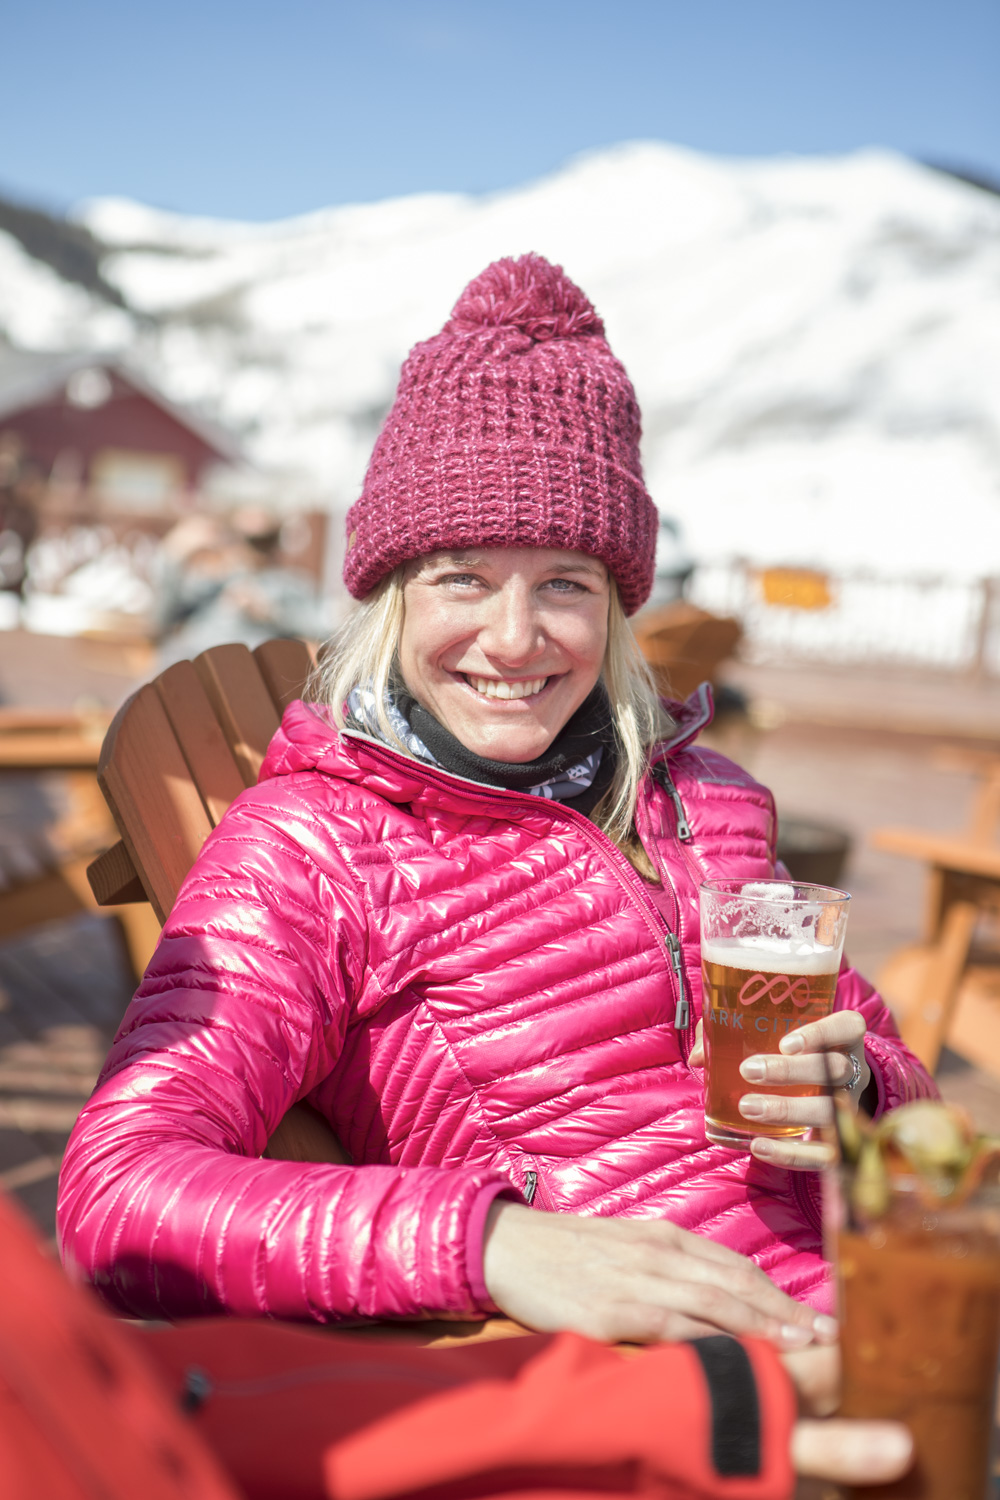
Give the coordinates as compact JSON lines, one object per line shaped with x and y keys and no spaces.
{"x":515,"y":426}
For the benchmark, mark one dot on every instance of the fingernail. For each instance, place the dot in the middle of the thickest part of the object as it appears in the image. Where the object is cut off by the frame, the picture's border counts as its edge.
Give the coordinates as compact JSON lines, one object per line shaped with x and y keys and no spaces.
{"x":754,"y":1069}
{"x":762,"y":1147}
{"x":792,"y":1043}
{"x":752,"y":1108}
{"x":825,"y":1328}
{"x":891,"y":1445}
{"x":794,"y":1335}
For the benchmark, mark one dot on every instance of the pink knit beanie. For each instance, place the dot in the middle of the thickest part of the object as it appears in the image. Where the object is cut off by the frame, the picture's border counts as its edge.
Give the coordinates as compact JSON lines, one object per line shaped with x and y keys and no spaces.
{"x":513,"y":427}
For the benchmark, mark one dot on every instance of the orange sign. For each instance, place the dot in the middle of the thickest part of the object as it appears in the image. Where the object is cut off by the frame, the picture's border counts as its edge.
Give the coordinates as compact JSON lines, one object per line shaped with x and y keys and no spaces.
{"x":795,"y":588}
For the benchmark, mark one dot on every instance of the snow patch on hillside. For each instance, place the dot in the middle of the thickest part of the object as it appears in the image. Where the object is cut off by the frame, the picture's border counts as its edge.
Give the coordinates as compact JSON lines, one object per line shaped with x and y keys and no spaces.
{"x":38,"y":310}
{"x":815,"y":342}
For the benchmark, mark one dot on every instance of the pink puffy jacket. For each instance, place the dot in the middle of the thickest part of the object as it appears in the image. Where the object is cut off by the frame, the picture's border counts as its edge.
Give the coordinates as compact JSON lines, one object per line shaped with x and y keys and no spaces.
{"x":478,"y":992}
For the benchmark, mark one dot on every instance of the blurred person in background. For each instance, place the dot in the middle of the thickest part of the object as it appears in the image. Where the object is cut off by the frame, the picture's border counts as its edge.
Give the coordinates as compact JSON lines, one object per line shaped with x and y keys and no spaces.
{"x":222,"y":580}
{"x":458,"y":915}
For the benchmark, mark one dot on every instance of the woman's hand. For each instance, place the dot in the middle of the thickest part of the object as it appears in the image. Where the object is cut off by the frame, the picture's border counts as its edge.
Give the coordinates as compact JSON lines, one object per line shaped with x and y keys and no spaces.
{"x":817,"y":1053}
{"x":635,"y":1280}
{"x":846,"y":1452}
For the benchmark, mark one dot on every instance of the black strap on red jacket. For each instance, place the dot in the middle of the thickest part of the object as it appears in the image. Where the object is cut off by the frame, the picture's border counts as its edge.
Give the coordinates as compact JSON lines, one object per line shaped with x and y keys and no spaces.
{"x":735,"y":1405}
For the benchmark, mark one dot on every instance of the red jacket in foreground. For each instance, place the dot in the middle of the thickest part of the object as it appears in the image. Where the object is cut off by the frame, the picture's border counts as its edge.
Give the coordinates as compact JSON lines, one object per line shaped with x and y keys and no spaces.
{"x":91,"y":1409}
{"x":476,"y":989}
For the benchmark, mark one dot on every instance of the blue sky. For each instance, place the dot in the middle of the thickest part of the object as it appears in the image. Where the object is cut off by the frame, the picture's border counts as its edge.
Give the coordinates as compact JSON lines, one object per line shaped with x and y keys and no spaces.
{"x":251,"y":110}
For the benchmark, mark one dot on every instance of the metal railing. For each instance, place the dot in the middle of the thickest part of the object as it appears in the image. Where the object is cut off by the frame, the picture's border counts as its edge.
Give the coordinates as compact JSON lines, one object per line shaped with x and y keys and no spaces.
{"x":943,"y":623}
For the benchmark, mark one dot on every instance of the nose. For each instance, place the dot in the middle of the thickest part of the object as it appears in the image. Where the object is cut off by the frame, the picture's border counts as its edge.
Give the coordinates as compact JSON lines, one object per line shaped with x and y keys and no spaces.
{"x":512,"y":634}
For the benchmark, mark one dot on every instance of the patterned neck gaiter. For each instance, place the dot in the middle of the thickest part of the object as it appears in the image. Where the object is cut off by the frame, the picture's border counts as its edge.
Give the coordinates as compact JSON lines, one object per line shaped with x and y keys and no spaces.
{"x":577,"y":768}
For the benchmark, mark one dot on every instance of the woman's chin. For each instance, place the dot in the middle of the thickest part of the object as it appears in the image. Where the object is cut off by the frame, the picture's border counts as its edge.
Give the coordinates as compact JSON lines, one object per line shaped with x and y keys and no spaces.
{"x":512,"y":747}
{"x":507,"y":732}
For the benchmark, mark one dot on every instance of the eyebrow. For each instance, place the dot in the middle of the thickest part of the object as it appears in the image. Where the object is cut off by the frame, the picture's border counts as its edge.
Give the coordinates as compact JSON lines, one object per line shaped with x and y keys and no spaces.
{"x":459,"y":559}
{"x":597,"y":568}
{"x":478,"y":559}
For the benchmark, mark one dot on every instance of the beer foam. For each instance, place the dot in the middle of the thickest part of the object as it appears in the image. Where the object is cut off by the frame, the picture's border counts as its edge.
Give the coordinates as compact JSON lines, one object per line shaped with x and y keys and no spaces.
{"x":768,"y":890}
{"x":773,"y":954}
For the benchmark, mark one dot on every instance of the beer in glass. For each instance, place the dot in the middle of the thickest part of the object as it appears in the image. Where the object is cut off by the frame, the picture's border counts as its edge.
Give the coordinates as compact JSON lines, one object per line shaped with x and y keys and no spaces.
{"x":770,"y":953}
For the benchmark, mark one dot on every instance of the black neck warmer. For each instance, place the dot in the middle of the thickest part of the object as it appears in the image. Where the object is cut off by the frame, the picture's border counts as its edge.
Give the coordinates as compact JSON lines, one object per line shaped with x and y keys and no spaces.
{"x":589,"y":729}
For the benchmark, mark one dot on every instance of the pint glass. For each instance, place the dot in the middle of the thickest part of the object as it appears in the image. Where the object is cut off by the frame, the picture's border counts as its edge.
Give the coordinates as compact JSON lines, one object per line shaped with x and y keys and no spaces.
{"x":770,"y":952}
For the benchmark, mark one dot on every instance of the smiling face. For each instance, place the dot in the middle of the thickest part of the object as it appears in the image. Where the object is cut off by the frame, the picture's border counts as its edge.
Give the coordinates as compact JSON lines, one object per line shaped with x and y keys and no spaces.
{"x":503,"y":645}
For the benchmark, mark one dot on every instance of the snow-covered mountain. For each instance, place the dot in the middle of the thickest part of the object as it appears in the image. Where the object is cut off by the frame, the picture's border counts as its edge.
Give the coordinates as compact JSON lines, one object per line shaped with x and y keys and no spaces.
{"x":815,"y":342}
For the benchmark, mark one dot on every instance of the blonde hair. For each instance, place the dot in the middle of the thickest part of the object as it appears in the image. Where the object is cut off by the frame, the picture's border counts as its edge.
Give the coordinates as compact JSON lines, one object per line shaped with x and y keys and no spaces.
{"x":363,"y":653}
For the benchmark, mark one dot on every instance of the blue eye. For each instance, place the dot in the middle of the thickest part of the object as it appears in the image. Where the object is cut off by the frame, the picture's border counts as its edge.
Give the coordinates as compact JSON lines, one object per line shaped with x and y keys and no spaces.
{"x":460,"y":580}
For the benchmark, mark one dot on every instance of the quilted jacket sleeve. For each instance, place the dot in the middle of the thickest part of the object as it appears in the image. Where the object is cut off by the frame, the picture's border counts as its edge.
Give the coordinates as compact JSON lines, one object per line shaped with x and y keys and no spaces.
{"x":900,"y":1076}
{"x":165,"y":1204}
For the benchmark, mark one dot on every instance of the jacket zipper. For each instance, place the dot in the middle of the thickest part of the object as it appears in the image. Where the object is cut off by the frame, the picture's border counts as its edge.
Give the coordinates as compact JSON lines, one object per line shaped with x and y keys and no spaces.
{"x":535,"y":1192}
{"x":661,"y":775}
{"x":682,"y":1010}
{"x":683,"y":830}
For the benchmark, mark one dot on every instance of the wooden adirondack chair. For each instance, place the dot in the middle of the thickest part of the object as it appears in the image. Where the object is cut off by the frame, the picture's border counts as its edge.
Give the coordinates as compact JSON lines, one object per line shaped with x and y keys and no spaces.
{"x":684,"y":645}
{"x":938,"y":992}
{"x":176,"y":754}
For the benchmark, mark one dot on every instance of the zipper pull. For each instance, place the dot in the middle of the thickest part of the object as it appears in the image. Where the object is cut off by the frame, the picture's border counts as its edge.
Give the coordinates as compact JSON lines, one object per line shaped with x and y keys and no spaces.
{"x":682,"y":1011}
{"x":662,"y":776}
{"x":530,"y":1187}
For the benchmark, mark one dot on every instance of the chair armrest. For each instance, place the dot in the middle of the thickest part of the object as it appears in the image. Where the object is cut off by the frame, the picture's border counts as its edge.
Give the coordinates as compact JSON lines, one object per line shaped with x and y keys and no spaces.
{"x":944,"y":850}
{"x":113,"y":879}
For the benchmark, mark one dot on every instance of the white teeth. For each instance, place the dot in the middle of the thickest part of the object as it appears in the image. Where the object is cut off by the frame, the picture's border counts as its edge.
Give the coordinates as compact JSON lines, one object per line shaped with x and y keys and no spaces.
{"x":492,"y":687}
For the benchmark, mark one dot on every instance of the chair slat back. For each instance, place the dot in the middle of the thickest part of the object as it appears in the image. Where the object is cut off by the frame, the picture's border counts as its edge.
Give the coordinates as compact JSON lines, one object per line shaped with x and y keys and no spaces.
{"x":156,"y":804}
{"x":183,"y":748}
{"x":241,"y":703}
{"x":209,"y":759}
{"x":285,"y":666}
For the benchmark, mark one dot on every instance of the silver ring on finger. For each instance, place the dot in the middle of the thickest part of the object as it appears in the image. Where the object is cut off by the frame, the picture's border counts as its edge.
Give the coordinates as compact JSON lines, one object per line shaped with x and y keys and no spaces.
{"x":855,"y":1078}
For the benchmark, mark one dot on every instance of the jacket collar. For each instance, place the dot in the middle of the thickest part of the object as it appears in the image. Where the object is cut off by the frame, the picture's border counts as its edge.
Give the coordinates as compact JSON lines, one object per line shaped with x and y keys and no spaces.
{"x":308,"y":741}
{"x":690,"y":718}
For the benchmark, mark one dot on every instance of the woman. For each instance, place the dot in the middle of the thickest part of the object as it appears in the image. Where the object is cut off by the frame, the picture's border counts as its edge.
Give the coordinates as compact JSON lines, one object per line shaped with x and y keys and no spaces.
{"x":458,"y":915}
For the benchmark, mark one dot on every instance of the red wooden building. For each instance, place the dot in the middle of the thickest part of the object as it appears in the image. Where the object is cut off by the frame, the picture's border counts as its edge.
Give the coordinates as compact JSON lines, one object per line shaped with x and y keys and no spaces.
{"x":104,"y":441}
